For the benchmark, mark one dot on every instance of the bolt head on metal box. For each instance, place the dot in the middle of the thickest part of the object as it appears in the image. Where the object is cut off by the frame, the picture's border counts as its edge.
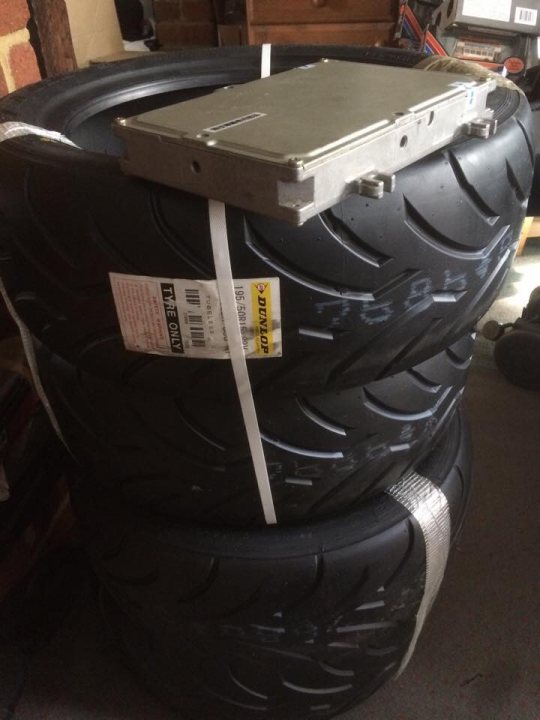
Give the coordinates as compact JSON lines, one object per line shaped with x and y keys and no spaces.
{"x":296,"y":143}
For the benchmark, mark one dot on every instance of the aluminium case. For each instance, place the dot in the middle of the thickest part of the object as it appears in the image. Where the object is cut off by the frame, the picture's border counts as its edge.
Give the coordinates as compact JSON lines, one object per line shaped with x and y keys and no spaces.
{"x":298,"y":142}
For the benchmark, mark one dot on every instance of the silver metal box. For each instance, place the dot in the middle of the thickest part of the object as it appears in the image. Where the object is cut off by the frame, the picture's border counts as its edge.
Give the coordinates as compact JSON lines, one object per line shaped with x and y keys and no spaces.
{"x":516,"y":16}
{"x":296,"y":143}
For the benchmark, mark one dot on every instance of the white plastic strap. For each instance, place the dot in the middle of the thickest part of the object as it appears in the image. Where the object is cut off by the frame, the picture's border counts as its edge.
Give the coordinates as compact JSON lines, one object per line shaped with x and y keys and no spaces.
{"x":29,"y":351}
{"x":10,"y":130}
{"x":266,"y":55}
{"x":429,"y":506}
{"x":225,"y":284}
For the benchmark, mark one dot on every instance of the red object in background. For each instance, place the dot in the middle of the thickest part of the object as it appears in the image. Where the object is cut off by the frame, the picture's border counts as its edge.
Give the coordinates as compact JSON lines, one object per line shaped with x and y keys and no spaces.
{"x":514,"y":65}
{"x":427,"y":42}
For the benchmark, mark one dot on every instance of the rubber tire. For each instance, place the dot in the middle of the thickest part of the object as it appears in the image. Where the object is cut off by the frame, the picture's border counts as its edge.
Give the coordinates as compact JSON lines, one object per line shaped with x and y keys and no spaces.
{"x":34,"y":463}
{"x":368,"y":288}
{"x":299,"y":623}
{"x":533,"y":207}
{"x":531,"y":313}
{"x":517,"y":356}
{"x":186,"y":455}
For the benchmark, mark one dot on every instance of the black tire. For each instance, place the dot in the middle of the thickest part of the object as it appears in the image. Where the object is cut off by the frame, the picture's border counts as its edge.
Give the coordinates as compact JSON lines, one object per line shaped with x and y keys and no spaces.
{"x":368,"y":288}
{"x":531,"y":313}
{"x":517,"y":356}
{"x":186,"y":454}
{"x":34,"y":463}
{"x":533,"y":207}
{"x":300,"y":623}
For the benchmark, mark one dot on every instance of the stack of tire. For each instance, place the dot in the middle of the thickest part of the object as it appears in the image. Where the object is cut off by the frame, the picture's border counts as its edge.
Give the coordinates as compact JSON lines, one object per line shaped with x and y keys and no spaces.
{"x":221,"y":615}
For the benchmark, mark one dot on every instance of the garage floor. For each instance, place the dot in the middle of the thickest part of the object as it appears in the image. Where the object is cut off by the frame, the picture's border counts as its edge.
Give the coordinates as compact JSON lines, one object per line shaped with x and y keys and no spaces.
{"x":479,"y":655}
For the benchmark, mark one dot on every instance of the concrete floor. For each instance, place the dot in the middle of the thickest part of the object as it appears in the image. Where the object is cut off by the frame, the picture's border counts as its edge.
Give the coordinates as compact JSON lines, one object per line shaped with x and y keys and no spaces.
{"x":479,"y":655}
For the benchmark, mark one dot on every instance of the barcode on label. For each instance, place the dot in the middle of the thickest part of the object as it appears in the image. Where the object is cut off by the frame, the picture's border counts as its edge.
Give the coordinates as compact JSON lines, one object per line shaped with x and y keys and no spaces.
{"x":193,"y":297}
{"x":526,"y":16}
{"x":196,"y":330}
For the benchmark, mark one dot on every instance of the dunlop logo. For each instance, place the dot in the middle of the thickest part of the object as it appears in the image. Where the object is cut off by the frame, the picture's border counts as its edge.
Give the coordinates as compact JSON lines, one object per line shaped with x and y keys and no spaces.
{"x":261,"y":303}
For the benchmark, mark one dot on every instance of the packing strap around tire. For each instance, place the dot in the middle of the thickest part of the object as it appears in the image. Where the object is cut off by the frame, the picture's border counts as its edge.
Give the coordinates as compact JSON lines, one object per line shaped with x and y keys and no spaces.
{"x":225,"y":283}
{"x":427,"y":503}
{"x":29,"y":351}
{"x":266,"y":56}
{"x":9,"y":130}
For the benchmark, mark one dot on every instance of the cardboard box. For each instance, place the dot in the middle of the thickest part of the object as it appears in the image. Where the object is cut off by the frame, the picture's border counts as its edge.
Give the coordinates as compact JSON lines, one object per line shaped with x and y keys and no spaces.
{"x":516,"y":16}
{"x":95,"y":30}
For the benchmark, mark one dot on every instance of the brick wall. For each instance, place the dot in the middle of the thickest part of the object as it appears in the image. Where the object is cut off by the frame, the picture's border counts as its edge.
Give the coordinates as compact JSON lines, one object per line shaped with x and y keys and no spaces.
{"x":180,"y":23}
{"x":18,"y":64}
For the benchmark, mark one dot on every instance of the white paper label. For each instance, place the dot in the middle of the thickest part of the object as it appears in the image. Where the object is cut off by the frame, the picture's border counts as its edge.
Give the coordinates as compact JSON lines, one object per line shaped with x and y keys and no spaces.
{"x":526,"y":16}
{"x":471,"y":89}
{"x":500,"y":10}
{"x":183,"y":318}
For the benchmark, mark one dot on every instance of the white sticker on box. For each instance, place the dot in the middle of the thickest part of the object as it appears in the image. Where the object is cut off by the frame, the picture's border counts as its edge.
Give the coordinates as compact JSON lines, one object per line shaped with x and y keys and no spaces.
{"x":500,"y":10}
{"x":472,"y":91}
{"x":526,"y":16}
{"x":183,"y":318}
